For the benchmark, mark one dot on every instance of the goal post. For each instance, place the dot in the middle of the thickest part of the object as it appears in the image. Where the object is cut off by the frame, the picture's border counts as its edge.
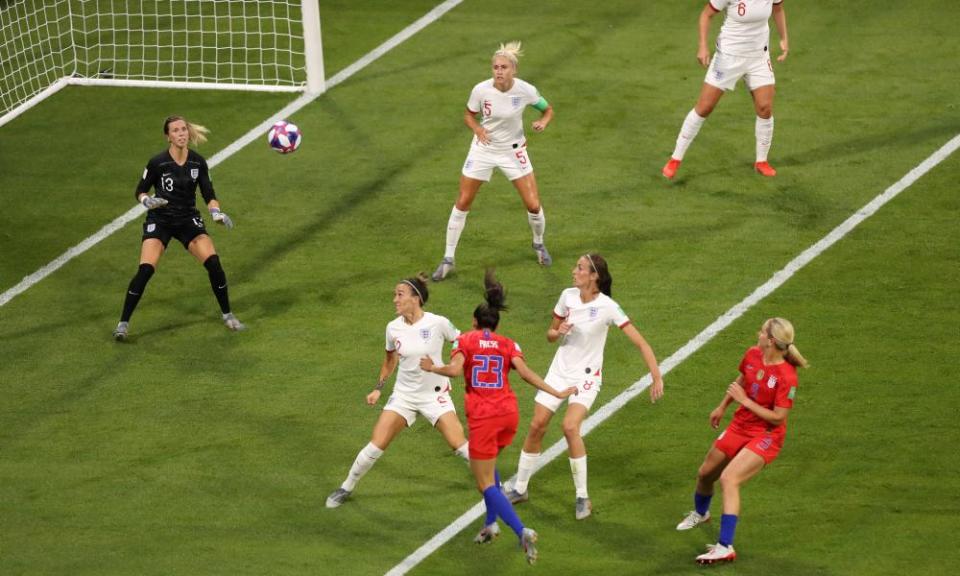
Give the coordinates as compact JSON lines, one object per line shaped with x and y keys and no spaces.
{"x":261,"y":45}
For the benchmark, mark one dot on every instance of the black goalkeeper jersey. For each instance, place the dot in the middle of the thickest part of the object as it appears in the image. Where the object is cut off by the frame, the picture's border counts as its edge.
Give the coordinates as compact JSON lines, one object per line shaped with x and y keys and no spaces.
{"x":177,"y":185}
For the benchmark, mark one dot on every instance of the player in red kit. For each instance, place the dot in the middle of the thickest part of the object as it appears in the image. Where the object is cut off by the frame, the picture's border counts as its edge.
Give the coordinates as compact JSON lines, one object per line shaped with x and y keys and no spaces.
{"x":484,"y":358}
{"x":765,"y":390}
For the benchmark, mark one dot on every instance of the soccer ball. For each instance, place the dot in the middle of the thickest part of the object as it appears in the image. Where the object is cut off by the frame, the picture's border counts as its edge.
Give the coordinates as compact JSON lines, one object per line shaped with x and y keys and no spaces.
{"x":284,"y":137}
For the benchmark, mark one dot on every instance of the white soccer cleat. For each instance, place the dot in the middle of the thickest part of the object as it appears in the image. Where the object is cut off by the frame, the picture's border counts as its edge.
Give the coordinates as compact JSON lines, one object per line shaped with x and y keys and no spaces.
{"x":488,"y":534}
{"x":338,"y":497}
{"x":233,"y":323}
{"x":443,"y":270}
{"x":584,"y":508}
{"x":527,"y":544}
{"x":693,"y":520}
{"x":121,"y":331}
{"x":543,"y":257}
{"x":717,"y":553}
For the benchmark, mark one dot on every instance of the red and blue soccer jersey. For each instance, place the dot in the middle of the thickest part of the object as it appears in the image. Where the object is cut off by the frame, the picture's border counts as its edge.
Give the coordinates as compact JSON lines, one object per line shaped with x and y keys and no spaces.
{"x":767,"y":385}
{"x":488,"y":358}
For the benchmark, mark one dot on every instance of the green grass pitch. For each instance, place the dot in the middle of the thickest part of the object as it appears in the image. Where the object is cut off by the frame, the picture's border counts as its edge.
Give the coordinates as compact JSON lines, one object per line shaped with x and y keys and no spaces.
{"x":191,"y":450}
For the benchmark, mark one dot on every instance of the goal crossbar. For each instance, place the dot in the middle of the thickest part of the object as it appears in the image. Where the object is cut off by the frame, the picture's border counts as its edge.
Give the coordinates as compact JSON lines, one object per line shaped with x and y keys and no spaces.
{"x":257,"y":45}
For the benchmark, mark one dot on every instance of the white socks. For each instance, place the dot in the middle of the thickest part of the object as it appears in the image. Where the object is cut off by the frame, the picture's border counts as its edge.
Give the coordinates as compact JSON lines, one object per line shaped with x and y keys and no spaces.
{"x":691,"y":126}
{"x":525,"y":470}
{"x":455,"y":226}
{"x":578,"y":467}
{"x":464,"y":451}
{"x":764,"y":132}
{"x":538,"y":222}
{"x":364,"y":462}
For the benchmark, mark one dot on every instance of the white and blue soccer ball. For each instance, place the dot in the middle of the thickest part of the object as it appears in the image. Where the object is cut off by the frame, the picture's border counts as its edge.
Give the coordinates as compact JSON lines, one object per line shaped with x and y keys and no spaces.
{"x":284,"y":137}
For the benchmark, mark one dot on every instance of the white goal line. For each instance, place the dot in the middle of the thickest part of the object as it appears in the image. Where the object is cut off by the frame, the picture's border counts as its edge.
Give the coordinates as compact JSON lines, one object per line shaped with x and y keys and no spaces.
{"x":132,"y":214}
{"x":697,"y":342}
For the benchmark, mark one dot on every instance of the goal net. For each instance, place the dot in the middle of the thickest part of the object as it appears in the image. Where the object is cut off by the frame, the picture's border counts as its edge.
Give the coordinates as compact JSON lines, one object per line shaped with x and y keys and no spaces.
{"x":221,"y":44}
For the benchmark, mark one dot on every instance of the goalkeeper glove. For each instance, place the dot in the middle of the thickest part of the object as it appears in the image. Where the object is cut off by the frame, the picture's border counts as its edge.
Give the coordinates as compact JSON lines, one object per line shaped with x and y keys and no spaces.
{"x":221,"y":217}
{"x":151,"y":202}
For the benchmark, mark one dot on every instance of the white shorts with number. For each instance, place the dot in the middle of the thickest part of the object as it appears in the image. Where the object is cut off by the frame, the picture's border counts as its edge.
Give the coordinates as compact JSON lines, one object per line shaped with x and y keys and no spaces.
{"x":431,"y":407}
{"x":588,"y":387}
{"x":725,"y":70}
{"x":514,"y":163}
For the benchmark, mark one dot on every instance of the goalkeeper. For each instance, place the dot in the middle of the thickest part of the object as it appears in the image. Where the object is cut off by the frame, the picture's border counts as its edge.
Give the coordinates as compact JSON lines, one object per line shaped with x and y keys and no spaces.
{"x":175,"y":174}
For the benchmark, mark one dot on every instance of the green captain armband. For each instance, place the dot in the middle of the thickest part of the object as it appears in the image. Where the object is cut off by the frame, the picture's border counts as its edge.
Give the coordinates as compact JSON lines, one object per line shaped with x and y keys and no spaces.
{"x":541,"y":105}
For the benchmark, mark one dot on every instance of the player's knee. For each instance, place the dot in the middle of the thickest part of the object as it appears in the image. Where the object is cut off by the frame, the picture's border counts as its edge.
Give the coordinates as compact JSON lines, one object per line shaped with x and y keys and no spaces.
{"x":765,"y":111}
{"x":215,"y":270}
{"x":706,"y":474}
{"x":146,"y":269}
{"x":143,"y":275}
{"x":464,"y":202}
{"x":571,"y":429}
{"x":212,"y":264}
{"x":729,"y":481}
{"x":538,"y":429}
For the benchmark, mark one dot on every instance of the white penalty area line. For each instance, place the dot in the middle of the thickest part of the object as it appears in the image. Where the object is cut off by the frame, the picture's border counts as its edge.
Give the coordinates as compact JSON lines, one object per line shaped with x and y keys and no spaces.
{"x":697,"y":342}
{"x":430,"y":17}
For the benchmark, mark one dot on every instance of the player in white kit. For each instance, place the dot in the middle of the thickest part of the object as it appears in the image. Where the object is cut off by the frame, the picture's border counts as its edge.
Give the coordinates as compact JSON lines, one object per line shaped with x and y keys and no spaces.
{"x":414,"y":334}
{"x":742,"y":51}
{"x":580,"y":321}
{"x":498,"y":142}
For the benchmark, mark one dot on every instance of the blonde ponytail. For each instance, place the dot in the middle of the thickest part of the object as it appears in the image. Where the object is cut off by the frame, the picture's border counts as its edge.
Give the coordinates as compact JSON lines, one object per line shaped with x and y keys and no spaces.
{"x":198,"y":133}
{"x":511,"y":51}
{"x":781,"y":332}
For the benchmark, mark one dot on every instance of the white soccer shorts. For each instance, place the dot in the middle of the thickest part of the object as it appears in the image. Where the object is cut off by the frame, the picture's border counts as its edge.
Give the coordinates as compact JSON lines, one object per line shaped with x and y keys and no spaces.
{"x":588,"y":388}
{"x":514,"y":163}
{"x":726,"y":70}
{"x":431,"y":407}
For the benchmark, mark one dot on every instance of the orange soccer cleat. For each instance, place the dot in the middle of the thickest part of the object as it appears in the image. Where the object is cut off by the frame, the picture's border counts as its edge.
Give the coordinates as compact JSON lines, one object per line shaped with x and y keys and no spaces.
{"x":670,"y":169}
{"x":764,"y":168}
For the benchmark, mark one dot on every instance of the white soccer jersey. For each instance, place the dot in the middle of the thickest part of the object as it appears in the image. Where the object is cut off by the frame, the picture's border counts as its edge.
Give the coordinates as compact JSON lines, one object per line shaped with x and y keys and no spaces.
{"x":412,"y":342}
{"x":581,"y":350}
{"x":745,"y":30}
{"x":501,"y":113}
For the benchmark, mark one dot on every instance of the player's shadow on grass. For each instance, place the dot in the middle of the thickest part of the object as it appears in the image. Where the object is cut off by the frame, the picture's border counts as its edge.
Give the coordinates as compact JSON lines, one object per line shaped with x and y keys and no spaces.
{"x":936,"y":134}
{"x":162,"y":328}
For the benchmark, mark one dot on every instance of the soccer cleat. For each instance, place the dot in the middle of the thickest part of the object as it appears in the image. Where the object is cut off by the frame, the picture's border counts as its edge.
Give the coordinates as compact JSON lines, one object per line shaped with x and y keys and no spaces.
{"x":765,"y":168}
{"x":338,"y":497}
{"x":717,"y":553}
{"x":670,"y":168}
{"x":516,"y":497}
{"x":543,"y":257}
{"x":584,"y":508}
{"x":693,"y":520}
{"x":233,"y":323}
{"x":488,"y":534}
{"x":527,"y":543}
{"x":443,"y":270}
{"x":120,"y":332}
